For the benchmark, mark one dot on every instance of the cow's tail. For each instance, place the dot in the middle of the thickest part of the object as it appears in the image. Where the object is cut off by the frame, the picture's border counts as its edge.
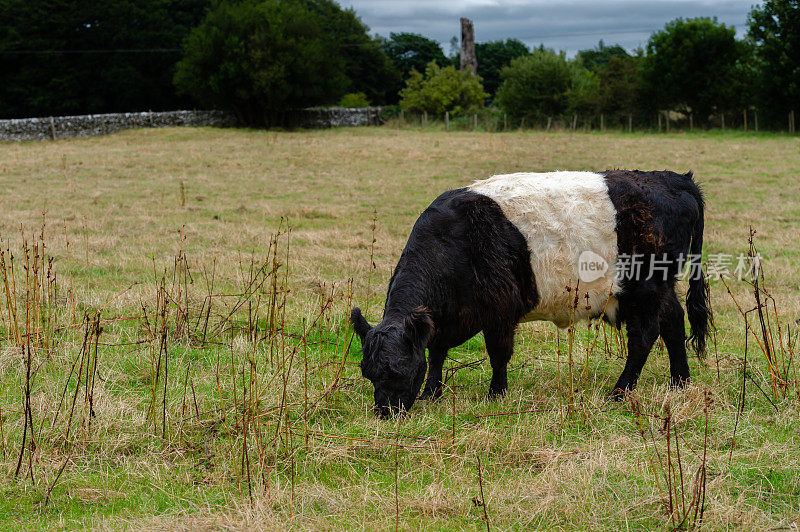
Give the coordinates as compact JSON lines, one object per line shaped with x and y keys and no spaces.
{"x":696,"y":299}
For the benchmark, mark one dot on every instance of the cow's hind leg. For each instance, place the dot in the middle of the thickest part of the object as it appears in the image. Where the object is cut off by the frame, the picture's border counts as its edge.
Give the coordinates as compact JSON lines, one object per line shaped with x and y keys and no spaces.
{"x":673,"y":333}
{"x":433,"y":386}
{"x":643,"y":329}
{"x":500,"y":346}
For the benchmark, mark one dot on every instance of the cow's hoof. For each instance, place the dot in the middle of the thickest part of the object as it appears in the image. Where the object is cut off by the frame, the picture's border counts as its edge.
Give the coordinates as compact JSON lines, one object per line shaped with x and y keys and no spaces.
{"x":431,"y":393}
{"x":618,"y":394}
{"x":494,"y":395}
{"x":679,"y":382}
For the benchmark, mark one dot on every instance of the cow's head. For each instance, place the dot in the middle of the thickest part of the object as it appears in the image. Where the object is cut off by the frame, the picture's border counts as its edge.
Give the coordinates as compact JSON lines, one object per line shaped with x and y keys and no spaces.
{"x":394,"y":358}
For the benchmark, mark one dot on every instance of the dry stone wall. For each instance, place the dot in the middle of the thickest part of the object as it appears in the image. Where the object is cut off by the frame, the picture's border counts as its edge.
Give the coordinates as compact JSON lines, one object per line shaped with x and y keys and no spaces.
{"x":49,"y":128}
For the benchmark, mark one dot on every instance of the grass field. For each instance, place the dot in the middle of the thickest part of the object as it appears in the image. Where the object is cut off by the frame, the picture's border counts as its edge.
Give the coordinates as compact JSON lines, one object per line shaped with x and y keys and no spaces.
{"x":184,"y":360}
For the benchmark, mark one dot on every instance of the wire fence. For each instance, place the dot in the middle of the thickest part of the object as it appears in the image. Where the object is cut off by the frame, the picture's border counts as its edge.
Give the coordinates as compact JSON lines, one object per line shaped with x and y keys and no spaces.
{"x":494,"y":120}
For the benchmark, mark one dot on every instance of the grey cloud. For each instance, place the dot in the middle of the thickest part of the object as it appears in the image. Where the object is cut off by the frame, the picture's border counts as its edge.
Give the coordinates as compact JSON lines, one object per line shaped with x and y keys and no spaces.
{"x":571,"y":25}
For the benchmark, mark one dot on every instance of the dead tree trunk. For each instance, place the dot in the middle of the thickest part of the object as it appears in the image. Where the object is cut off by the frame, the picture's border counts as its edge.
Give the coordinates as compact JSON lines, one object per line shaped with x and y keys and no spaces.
{"x":468,"y":61}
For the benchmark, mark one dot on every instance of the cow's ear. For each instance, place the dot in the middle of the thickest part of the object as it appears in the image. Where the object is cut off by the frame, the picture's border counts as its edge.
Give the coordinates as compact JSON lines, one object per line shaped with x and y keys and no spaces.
{"x":419,"y":326}
{"x":360,"y":325}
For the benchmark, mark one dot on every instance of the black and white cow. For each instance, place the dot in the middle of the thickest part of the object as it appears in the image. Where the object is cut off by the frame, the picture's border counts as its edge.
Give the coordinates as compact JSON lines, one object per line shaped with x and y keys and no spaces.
{"x":505,"y":250}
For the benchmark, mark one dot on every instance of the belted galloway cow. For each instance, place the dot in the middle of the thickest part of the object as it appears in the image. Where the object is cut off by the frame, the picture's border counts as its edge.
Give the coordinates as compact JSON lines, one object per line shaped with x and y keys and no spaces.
{"x":515,"y":248}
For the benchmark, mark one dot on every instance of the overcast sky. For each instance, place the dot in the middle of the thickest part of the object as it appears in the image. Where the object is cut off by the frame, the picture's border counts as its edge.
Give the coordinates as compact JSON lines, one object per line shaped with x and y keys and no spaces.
{"x":571,"y":25}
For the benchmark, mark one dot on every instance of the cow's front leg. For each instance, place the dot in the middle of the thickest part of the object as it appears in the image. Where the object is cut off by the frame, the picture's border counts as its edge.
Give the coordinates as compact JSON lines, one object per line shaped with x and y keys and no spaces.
{"x":500,"y":346}
{"x":433,"y":386}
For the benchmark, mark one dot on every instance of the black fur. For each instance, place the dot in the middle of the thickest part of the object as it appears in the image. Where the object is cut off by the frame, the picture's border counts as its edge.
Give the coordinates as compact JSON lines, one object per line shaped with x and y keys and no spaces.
{"x":659,"y":214}
{"x":466,"y":268}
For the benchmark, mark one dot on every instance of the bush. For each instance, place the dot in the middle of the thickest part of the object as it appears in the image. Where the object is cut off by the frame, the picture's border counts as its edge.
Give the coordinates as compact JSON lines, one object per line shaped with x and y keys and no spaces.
{"x":546,"y":84}
{"x":354,"y":99}
{"x":443,"y":89}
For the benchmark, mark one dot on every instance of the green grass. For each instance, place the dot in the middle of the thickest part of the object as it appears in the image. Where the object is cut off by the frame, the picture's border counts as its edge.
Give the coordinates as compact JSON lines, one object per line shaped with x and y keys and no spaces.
{"x":550,"y":457}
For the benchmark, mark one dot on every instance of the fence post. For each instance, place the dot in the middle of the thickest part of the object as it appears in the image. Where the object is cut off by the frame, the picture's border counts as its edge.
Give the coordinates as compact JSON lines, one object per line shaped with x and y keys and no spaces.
{"x":755,"y":119}
{"x":549,"y":122}
{"x":52,"y":128}
{"x":505,"y":121}
{"x":630,"y":123}
{"x":574,"y":122}
{"x":691,"y":122}
{"x":522,"y":123}
{"x":744,"y":118}
{"x":447,"y":120}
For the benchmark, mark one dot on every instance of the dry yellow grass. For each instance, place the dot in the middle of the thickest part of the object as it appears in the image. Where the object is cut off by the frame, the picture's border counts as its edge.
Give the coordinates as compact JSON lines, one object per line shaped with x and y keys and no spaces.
{"x":550,"y":463}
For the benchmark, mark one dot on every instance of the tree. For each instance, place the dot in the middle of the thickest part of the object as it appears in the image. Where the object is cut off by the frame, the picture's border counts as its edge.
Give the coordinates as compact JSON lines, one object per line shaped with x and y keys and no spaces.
{"x":368,"y":68}
{"x":691,"y":66}
{"x":264,"y":58}
{"x":583,"y":95}
{"x":546,"y":84}
{"x":774,"y":27}
{"x":618,"y":84}
{"x":407,"y":52}
{"x":92,"y":56}
{"x":493,"y":56}
{"x":443,"y":89}
{"x":596,"y":58}
{"x":411,"y":51}
{"x":371,"y":71}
